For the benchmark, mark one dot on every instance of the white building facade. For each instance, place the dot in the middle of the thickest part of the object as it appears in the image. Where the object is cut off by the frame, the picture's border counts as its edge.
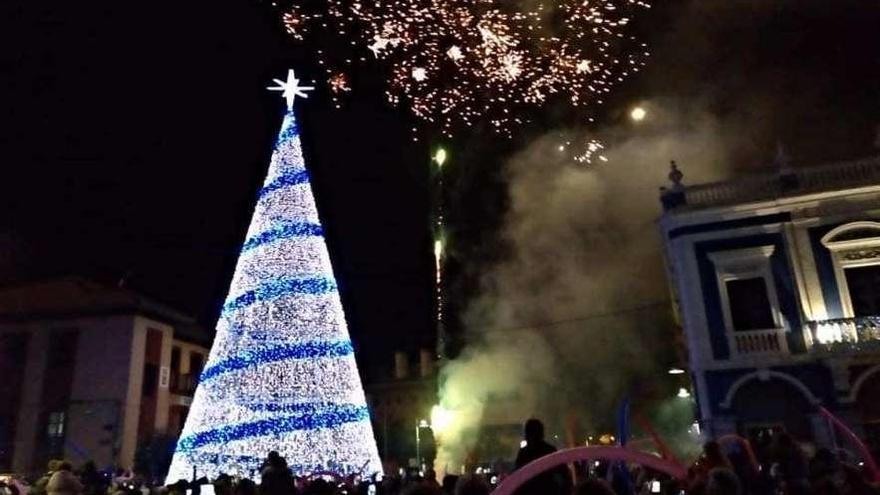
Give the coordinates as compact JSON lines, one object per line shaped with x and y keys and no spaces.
{"x":776,"y":281}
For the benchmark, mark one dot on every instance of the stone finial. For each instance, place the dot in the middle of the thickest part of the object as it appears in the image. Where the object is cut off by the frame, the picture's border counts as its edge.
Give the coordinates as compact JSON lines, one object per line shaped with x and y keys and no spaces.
{"x":673,"y":197}
{"x":675,"y":175}
{"x":788,"y":179}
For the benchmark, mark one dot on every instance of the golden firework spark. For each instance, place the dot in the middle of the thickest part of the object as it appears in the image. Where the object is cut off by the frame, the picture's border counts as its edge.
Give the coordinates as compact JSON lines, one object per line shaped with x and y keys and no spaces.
{"x":454,"y":62}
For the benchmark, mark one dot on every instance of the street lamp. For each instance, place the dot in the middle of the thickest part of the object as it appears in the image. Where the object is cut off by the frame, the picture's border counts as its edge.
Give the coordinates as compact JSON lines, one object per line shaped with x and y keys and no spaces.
{"x":440,"y":156}
{"x":422,"y":423}
{"x":638,"y":114}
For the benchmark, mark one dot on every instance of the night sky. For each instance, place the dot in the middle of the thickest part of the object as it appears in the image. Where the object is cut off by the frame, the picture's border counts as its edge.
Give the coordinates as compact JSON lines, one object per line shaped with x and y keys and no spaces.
{"x":136,"y":134}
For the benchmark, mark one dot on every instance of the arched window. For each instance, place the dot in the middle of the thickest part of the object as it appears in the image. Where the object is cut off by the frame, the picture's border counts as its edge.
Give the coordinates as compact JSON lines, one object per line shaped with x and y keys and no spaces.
{"x":855,"y":249}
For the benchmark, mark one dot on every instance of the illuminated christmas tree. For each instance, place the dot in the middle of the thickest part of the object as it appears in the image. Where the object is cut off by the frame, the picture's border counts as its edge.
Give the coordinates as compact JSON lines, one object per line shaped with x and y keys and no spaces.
{"x":281,"y":374}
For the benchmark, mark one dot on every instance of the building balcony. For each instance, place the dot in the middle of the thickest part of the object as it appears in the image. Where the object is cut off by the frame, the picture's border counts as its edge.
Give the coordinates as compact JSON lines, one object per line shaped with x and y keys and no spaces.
{"x":184,"y":384}
{"x":844,"y":335}
{"x":759,"y":342}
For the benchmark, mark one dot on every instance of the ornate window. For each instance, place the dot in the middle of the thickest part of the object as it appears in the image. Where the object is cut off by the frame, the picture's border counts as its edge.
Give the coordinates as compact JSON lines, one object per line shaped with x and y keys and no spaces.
{"x":855,"y":249}
{"x":749,"y":302}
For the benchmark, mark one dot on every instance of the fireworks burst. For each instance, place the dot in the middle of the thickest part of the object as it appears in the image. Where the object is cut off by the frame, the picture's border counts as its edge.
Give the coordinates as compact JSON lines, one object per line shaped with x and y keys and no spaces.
{"x":454,"y":62}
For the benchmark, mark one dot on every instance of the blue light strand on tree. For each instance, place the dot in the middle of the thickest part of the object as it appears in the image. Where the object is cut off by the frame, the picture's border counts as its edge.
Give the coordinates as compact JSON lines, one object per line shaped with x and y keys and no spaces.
{"x":297,"y":229}
{"x":309,"y":350}
{"x":281,"y":374}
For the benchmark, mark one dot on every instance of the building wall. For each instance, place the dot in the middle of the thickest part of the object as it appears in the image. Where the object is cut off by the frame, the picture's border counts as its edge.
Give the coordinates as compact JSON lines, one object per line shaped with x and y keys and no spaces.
{"x":13,"y":349}
{"x":95,"y":415}
{"x":89,"y":390}
{"x":29,"y":406}
{"x":100,"y":390}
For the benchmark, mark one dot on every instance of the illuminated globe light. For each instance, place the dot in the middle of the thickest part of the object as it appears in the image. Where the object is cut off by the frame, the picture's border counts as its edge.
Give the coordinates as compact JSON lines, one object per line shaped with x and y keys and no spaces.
{"x":440,"y":157}
{"x":281,"y":374}
{"x":638,"y":114}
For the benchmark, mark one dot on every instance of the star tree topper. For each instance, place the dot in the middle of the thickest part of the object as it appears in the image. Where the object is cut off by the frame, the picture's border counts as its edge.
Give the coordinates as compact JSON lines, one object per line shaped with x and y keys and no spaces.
{"x":290,"y":88}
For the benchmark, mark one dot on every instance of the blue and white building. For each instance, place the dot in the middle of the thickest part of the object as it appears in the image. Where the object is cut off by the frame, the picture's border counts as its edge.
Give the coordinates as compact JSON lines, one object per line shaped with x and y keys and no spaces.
{"x":776,"y":280}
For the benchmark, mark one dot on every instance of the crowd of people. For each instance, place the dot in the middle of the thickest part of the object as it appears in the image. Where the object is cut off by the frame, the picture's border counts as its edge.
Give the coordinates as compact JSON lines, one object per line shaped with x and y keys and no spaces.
{"x":778,"y":468}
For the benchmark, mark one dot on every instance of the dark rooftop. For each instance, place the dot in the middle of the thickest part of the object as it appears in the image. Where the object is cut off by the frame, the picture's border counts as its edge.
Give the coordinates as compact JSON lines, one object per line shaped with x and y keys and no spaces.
{"x":73,"y":296}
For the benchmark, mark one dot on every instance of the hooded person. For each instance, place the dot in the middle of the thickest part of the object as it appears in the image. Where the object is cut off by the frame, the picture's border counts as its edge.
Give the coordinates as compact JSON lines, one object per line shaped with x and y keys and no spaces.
{"x":556,"y":480}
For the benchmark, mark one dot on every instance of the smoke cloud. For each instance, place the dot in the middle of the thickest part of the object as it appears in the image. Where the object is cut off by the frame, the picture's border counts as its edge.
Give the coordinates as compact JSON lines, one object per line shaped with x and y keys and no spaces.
{"x":576,"y":316}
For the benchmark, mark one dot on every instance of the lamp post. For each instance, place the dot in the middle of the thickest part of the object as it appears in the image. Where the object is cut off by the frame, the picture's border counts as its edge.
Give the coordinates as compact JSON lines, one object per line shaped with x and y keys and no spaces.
{"x":422,"y":423}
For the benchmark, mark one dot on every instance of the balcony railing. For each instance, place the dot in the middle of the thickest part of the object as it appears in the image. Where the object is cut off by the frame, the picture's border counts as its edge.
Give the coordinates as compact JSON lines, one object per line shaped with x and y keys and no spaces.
{"x":184,"y":384}
{"x":777,"y":184}
{"x":756,"y":342}
{"x":844,"y":334}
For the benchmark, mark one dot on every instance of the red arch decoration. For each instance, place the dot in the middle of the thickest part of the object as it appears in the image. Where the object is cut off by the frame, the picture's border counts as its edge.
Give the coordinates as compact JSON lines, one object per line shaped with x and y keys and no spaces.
{"x":538,"y":466}
{"x":870,"y":464}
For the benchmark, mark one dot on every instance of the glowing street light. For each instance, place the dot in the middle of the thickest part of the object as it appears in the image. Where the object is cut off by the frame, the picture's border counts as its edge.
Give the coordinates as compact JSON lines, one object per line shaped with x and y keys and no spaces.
{"x":440,"y":419}
{"x":421,"y":423}
{"x":683,"y":393}
{"x":638,"y":114}
{"x":676,"y":371}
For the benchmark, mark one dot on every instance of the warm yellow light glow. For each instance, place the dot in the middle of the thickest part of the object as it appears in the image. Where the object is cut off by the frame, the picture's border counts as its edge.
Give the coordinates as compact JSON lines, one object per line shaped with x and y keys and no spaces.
{"x":438,"y":249}
{"x":828,"y":333}
{"x":638,"y":114}
{"x":440,"y":419}
{"x":440,"y":156}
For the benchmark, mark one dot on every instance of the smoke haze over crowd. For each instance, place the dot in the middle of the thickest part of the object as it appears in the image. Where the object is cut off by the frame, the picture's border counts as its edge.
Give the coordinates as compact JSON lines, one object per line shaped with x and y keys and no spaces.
{"x":575,"y":314}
